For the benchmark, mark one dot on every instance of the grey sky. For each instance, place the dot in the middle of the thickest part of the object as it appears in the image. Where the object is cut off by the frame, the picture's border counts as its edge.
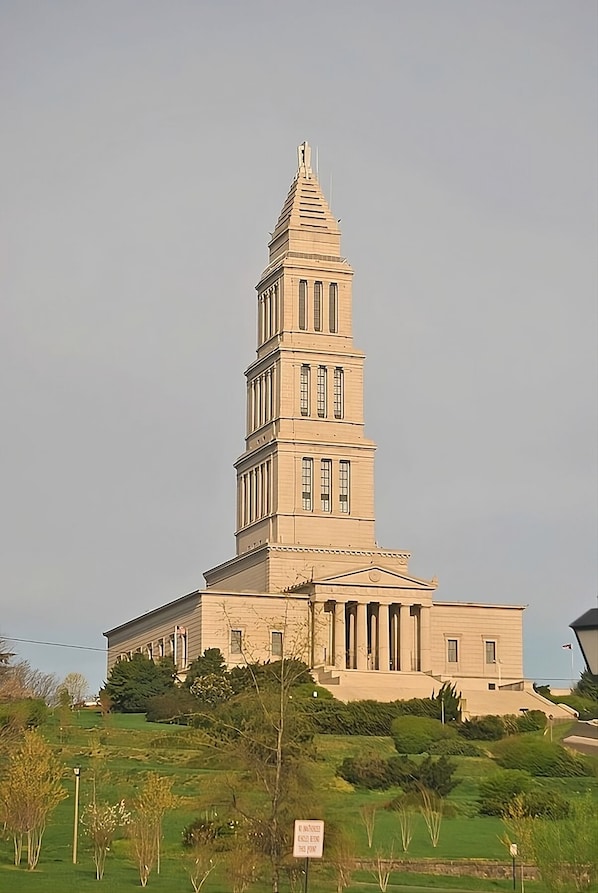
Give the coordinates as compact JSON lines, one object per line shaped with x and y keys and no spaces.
{"x":147,"y":149}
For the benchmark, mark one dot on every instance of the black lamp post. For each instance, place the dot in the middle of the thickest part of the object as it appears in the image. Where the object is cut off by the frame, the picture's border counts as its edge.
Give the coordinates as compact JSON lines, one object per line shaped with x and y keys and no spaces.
{"x":586,"y":633}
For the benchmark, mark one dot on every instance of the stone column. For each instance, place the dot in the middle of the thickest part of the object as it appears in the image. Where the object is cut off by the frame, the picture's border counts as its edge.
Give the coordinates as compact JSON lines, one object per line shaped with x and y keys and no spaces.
{"x":406,"y":639}
{"x":383,"y":638}
{"x":361,"y":637}
{"x":425,"y":612}
{"x":339,"y":636}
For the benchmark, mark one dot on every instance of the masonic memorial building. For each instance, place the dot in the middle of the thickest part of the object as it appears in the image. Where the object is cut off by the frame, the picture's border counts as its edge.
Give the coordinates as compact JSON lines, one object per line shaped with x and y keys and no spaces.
{"x":308,"y":578}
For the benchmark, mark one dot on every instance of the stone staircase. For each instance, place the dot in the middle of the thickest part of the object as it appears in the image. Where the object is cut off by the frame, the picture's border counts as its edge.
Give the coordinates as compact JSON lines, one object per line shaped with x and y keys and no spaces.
{"x":477,"y":699}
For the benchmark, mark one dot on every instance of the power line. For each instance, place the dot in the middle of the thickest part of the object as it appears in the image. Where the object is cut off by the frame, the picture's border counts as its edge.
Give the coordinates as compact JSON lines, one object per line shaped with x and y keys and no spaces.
{"x":55,"y":644}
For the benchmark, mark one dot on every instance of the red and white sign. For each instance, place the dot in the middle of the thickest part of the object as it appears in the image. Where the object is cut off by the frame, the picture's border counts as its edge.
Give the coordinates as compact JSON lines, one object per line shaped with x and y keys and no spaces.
{"x":309,"y":839}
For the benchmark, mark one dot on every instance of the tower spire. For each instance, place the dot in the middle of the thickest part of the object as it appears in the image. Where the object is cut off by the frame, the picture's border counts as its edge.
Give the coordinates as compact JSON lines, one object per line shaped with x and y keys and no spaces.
{"x":306,"y":223}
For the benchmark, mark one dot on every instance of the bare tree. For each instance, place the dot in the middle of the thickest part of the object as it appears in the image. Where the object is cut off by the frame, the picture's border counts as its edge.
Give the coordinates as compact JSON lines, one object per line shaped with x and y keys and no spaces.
{"x":383,"y":869}
{"x":432,"y":809}
{"x":145,"y":830}
{"x":368,"y":817}
{"x":77,"y":687}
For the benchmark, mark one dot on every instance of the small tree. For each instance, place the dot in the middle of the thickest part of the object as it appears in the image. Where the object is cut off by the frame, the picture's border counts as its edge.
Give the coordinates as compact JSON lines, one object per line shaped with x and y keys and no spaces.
{"x":145,"y":830}
{"x":382,"y":870}
{"x":76,"y":686}
{"x":368,"y":817}
{"x":101,"y":822}
{"x":431,"y":808}
{"x":29,"y":791}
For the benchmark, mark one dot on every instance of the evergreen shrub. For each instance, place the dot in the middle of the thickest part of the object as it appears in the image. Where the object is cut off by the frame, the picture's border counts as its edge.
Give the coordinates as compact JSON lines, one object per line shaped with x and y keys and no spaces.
{"x":540,"y":757}
{"x":416,"y":734}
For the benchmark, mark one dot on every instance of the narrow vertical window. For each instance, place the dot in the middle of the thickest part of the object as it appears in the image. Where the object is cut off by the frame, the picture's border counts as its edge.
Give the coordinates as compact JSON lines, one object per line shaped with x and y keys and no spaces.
{"x":333,"y":307}
{"x":307,"y":484}
{"x":490,"y":648}
{"x":322,"y":388}
{"x":276,"y":643}
{"x":325,"y":482}
{"x":318,"y":306}
{"x":452,"y":651}
{"x":344,"y":486}
{"x":302,"y":303}
{"x":236,"y":641}
{"x":339,"y":396}
{"x":304,"y":390}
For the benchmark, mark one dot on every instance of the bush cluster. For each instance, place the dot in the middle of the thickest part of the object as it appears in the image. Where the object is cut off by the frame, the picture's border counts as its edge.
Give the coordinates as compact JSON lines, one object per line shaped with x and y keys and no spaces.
{"x":508,"y":786}
{"x":540,"y":757}
{"x":416,"y":734}
{"x":375,"y":773}
{"x":25,"y":713}
{"x":493,"y":728}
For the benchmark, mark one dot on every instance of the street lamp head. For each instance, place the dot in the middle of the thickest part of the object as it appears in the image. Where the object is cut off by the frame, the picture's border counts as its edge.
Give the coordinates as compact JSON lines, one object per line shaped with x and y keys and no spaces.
{"x":77,"y":771}
{"x":586,"y":633}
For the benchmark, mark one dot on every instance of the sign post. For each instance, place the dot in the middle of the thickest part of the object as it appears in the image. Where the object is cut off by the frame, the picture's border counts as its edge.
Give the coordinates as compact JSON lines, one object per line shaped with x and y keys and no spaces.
{"x":308,"y":842}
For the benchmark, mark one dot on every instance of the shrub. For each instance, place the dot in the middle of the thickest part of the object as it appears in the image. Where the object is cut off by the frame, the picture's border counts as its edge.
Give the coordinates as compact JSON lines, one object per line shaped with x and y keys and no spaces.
{"x":483,"y":728}
{"x":540,"y":757}
{"x":539,"y":803}
{"x":497,"y":790}
{"x":374,"y":773}
{"x":415,"y":734}
{"x":26,"y":713}
{"x":531,"y":721}
{"x":365,"y":772}
{"x":454,"y":747}
{"x":171,"y":706}
{"x":435,"y":775}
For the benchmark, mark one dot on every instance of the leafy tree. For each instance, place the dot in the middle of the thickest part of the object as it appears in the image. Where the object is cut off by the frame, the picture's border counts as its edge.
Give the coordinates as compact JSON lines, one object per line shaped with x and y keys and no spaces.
{"x":587,"y":687}
{"x":211,"y":689}
{"x":145,"y":828}
{"x":133,"y":682}
{"x":269,"y":738}
{"x":211,"y":662}
{"x":29,"y":792}
{"x":449,"y":702}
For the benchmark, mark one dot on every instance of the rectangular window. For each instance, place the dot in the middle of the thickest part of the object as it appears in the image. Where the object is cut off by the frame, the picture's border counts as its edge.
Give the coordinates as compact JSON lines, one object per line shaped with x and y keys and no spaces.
{"x":325,"y":483}
{"x":452,"y":651}
{"x":307,"y":484}
{"x":304,"y":390}
{"x":318,"y":306}
{"x":276,"y":644}
{"x":303,"y":304}
{"x":333,"y":307}
{"x":236,"y":641}
{"x":339,"y":395}
{"x":322,"y":388}
{"x":344,"y":486}
{"x":490,"y":648}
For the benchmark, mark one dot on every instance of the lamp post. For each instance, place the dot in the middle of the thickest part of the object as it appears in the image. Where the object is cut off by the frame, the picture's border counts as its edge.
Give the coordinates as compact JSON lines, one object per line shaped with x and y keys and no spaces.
{"x":586,"y":633}
{"x":77,"y":772}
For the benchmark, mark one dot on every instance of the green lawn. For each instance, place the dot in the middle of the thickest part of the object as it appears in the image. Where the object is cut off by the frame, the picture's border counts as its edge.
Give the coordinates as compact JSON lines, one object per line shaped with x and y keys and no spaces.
{"x":121,"y":749}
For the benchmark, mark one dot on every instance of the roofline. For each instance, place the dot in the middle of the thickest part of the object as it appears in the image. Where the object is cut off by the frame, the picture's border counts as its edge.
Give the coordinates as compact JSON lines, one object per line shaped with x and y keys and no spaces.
{"x":479,"y":605}
{"x":176,"y":601}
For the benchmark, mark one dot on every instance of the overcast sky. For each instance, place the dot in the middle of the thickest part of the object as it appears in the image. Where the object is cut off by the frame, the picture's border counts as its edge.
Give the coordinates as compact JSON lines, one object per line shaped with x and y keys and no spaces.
{"x":147,"y":149}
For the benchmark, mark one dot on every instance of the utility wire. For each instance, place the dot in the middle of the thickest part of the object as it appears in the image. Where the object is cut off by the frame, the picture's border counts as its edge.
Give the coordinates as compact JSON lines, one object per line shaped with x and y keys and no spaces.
{"x":54,"y":644}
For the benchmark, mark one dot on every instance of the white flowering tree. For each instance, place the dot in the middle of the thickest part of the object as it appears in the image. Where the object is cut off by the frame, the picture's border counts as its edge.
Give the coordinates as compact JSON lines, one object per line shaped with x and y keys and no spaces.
{"x":101,"y":822}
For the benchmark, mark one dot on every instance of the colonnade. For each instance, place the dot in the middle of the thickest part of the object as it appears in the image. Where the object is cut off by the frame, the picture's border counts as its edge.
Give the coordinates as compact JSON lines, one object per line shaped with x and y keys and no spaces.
{"x":359,"y":635}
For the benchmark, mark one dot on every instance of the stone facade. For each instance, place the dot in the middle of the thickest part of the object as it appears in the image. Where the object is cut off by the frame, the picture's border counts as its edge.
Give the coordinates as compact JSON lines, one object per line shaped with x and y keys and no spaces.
{"x":308,"y":576}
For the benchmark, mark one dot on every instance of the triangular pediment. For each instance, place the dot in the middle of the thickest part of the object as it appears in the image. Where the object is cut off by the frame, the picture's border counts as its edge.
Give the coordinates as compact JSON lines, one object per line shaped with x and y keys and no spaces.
{"x":378,"y":577}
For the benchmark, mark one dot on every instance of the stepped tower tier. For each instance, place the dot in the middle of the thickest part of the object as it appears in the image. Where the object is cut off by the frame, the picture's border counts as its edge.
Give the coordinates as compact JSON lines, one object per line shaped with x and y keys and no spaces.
{"x":305,"y":480}
{"x":306,"y":476}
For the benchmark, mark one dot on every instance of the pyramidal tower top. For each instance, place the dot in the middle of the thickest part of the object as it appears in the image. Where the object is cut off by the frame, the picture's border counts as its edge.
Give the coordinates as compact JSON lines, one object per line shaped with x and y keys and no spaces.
{"x":306,"y":221}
